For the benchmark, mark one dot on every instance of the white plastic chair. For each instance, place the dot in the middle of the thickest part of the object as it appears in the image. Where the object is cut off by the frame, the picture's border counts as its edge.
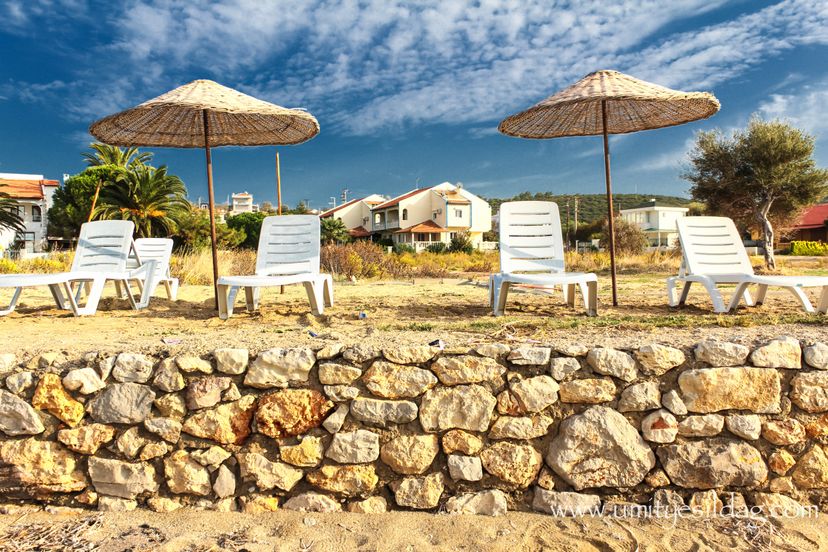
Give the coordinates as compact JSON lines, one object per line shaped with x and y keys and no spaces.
{"x":288,"y":254}
{"x":101,"y":255}
{"x":713,"y":254}
{"x":532,"y":254}
{"x":160,"y":251}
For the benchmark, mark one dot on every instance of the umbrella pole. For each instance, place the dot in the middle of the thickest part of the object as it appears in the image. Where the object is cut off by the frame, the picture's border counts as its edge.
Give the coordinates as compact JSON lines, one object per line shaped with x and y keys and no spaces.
{"x":212,"y":203}
{"x":610,"y":211}
{"x":279,"y":199}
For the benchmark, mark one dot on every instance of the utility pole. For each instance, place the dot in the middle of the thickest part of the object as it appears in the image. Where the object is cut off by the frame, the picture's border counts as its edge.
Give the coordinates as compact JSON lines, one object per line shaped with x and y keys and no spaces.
{"x":576,"y":224}
{"x":332,"y":202}
{"x":345,"y":195}
{"x":568,"y":227}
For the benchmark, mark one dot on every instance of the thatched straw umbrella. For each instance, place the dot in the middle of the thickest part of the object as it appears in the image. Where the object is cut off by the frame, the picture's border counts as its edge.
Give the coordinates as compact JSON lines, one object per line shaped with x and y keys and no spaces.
{"x":609,"y":102}
{"x":205,"y":114}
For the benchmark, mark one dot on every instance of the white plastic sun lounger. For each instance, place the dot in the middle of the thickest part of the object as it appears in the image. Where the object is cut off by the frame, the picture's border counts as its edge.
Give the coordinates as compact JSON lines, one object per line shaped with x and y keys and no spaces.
{"x":101,"y":255}
{"x":160,"y":251}
{"x":713,"y":254}
{"x":532,"y":254}
{"x":288,"y":254}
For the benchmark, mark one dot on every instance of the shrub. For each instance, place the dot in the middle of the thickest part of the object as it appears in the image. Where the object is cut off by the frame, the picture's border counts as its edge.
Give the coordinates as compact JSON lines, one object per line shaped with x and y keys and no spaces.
{"x":361,"y":259}
{"x":437,"y":247}
{"x":8,"y":266}
{"x":400,"y":248}
{"x":629,"y":238}
{"x":809,"y":248}
{"x":461,"y":243}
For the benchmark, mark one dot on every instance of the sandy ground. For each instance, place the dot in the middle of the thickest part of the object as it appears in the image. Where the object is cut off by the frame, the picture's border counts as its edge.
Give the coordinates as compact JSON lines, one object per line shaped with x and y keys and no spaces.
{"x":400,"y":531}
{"x":455,"y":310}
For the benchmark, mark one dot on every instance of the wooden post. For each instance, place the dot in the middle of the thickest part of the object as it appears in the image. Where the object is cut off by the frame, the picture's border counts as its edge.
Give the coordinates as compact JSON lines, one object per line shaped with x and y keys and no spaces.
{"x":610,"y":211}
{"x":278,"y":186}
{"x":279,"y":200}
{"x":212,"y":204}
{"x":95,"y":200}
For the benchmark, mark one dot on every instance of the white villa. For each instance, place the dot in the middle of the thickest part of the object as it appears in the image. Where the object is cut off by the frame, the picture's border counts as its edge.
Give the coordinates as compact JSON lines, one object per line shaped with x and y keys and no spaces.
{"x":242,"y":203}
{"x":34,"y":197}
{"x":418,"y":218}
{"x":356,"y":214}
{"x":657,"y":221}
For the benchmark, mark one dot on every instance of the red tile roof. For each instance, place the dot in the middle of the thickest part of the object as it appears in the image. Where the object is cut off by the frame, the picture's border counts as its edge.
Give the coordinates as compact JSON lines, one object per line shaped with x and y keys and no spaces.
{"x":396,"y":200}
{"x":25,"y":189}
{"x":333,"y":210}
{"x":814,"y":217}
{"x":359,"y":232}
{"x":429,"y":226}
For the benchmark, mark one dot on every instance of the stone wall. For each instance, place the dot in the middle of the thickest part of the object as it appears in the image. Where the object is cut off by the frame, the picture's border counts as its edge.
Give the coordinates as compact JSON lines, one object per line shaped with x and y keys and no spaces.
{"x":477,"y":431}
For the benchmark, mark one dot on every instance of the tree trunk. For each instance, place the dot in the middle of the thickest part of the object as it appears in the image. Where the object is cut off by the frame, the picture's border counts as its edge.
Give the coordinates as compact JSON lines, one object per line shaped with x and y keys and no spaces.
{"x":767,"y":234}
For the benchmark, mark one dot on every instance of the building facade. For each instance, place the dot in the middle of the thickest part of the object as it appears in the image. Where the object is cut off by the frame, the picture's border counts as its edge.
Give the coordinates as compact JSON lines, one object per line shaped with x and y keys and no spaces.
{"x":812,"y":225}
{"x":657,"y":221}
{"x":242,"y":203}
{"x":418,"y":218}
{"x":33,"y":194}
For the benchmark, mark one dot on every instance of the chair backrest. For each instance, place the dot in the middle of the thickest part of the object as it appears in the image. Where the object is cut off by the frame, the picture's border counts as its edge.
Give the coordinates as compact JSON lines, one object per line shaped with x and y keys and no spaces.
{"x":530,"y":237}
{"x":289,"y":244}
{"x":103,"y":246}
{"x":712,"y":245}
{"x":153,"y":249}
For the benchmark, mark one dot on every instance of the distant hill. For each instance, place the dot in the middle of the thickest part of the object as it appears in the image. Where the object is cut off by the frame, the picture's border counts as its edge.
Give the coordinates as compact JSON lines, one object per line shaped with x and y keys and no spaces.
{"x":591,"y":207}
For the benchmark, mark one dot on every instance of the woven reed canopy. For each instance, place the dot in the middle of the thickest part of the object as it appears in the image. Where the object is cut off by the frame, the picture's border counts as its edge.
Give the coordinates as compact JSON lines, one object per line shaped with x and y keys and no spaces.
{"x":175,"y":120}
{"x":632,"y":105}
{"x":603,"y":103}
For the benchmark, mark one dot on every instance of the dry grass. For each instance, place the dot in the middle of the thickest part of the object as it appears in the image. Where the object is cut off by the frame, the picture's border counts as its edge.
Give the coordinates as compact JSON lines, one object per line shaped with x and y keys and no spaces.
{"x":367,"y":261}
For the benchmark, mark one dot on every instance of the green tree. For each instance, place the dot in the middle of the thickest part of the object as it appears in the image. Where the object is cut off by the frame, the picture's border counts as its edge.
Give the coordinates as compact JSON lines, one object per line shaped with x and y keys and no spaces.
{"x":761,"y":177}
{"x":72,"y":201}
{"x":629,"y":238}
{"x":10,"y":218}
{"x":334,"y":231}
{"x":104,"y":154}
{"x":151,"y":198}
{"x":193,"y":231}
{"x":250,"y":224}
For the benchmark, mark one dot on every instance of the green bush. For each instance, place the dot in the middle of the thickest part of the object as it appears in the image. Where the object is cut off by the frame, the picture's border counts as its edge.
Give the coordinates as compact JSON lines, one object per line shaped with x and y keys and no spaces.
{"x":461,"y":243}
{"x":437,"y":247}
{"x":400,"y":248}
{"x":250,"y":224}
{"x":809,"y":248}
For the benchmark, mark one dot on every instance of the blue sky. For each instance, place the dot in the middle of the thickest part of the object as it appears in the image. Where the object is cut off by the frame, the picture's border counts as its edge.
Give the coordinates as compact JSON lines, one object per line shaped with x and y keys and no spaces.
{"x":407,"y":94}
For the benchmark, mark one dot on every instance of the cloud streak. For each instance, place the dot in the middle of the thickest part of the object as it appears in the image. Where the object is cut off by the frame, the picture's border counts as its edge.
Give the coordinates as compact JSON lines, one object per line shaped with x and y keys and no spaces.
{"x":384,"y":66}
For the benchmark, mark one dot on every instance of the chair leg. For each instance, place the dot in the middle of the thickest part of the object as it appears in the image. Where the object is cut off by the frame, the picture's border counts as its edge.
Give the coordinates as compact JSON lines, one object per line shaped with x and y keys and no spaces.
{"x":314,"y":297}
{"x":251,"y":298}
{"x":328,"y":290}
{"x":491,"y":292}
{"x":565,"y":290}
{"x":671,"y":288}
{"x":129,"y":295}
{"x":224,"y":305}
{"x":760,"y":294}
{"x":715,"y":295}
{"x":738,"y":295}
{"x":592,"y":294}
{"x":92,"y":298}
{"x":584,"y":294}
{"x":501,"y":293}
{"x":12,"y":303}
{"x":823,"y":301}
{"x":57,"y":295}
{"x":803,"y":298}
{"x":570,"y":294}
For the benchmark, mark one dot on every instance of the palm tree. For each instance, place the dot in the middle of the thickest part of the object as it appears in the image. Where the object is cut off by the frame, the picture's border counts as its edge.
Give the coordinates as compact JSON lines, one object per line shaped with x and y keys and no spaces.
{"x":149,"y":197}
{"x":104,"y":154}
{"x":10,"y":218}
{"x":334,"y":231}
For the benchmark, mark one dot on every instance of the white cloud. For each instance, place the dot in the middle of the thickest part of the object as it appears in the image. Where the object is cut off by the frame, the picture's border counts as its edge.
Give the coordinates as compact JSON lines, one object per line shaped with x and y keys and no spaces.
{"x":804,"y":109}
{"x":372,"y":66}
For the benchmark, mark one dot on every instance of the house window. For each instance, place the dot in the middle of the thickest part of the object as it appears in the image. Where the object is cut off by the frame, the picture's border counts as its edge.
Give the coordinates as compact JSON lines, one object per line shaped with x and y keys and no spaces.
{"x":435,"y":237}
{"x":36,"y":214}
{"x":421,"y":237}
{"x":405,"y":214}
{"x":458,"y":213}
{"x":377,"y":218}
{"x":434,"y":215}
